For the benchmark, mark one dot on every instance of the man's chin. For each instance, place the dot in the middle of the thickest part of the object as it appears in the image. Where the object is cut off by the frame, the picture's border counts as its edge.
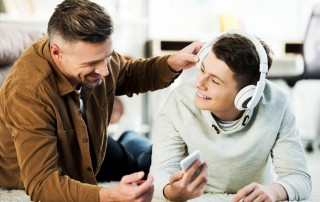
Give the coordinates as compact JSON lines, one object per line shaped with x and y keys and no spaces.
{"x":90,"y":84}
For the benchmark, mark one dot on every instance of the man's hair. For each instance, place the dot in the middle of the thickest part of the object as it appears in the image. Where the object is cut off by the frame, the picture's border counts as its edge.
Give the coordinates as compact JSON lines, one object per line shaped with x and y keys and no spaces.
{"x":240,"y":54}
{"x":80,"y":20}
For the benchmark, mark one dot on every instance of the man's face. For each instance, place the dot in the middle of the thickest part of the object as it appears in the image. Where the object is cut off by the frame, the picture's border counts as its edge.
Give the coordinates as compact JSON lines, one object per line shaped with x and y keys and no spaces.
{"x":85,"y":63}
{"x":216,"y":89}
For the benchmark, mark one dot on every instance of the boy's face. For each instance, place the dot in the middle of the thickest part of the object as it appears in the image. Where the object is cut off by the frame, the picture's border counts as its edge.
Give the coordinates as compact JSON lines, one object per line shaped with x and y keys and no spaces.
{"x":85,"y":63}
{"x":216,"y":89}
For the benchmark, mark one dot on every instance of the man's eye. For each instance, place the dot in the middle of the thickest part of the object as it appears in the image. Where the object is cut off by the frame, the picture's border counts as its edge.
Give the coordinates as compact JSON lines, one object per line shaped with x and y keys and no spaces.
{"x":93,"y":64}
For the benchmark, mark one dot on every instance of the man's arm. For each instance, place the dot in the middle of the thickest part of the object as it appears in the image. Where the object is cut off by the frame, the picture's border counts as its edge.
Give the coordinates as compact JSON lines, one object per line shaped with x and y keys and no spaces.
{"x":142,"y":75}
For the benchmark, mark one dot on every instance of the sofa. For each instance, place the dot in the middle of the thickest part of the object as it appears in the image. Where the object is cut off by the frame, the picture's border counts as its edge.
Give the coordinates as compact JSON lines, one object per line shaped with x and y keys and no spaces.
{"x":13,"y":41}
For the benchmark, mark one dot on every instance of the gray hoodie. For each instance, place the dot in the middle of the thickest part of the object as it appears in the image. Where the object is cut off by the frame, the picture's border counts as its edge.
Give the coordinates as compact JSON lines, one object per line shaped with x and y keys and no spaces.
{"x":265,"y":150}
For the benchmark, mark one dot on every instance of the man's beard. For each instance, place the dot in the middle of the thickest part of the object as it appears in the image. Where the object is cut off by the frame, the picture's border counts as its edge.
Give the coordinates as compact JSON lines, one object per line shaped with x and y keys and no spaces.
{"x":88,"y":84}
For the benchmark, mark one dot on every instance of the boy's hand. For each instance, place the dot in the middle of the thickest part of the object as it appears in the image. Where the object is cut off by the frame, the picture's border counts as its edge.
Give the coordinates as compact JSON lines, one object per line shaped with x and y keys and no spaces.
{"x":258,"y":192}
{"x":184,"y":186}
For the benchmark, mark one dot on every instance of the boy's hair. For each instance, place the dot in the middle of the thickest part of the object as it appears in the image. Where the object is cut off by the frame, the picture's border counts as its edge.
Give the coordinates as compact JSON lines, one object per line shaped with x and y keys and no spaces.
{"x":240,"y":54}
{"x":80,"y":20}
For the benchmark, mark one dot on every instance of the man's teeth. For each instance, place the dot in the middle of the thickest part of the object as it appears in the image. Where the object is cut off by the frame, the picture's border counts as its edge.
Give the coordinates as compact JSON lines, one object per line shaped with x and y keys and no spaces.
{"x":202,"y":96}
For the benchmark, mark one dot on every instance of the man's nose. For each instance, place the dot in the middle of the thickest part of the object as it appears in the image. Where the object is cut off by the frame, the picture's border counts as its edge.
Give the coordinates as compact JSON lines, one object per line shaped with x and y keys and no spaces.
{"x":102,"y":69}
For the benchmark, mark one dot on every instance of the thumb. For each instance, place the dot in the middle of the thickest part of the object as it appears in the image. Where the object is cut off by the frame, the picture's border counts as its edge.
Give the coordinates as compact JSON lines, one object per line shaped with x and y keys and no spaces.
{"x":191,"y":58}
{"x":176,"y":176}
{"x":134,"y":177}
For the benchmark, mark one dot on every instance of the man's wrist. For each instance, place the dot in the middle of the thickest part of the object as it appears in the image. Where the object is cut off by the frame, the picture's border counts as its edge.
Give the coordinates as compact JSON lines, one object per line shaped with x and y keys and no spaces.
{"x":106,"y":194}
{"x":174,"y":71}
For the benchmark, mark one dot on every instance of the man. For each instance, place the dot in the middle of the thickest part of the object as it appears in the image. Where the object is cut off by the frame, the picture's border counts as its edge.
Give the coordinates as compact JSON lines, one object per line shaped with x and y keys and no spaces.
{"x":56,"y":103}
{"x":242,"y":124}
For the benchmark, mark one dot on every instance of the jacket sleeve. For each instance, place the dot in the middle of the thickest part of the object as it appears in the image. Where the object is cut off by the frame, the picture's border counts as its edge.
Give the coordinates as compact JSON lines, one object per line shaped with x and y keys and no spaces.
{"x":168,"y":146}
{"x":32,"y":124}
{"x":142,"y":75}
{"x":289,"y":159}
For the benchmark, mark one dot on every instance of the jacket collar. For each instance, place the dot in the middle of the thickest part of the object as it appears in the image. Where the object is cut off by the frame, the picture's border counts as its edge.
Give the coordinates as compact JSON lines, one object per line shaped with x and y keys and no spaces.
{"x":64,"y":86}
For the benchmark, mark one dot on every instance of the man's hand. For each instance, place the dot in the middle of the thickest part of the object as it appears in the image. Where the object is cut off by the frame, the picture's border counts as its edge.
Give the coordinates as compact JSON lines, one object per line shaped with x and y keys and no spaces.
{"x":185,"y":58}
{"x":183,"y":186}
{"x":258,"y":192}
{"x":130,"y":188}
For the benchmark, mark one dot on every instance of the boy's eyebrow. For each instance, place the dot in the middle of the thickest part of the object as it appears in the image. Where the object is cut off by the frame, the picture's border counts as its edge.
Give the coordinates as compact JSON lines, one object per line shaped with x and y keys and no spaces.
{"x":213,"y":75}
{"x":95,"y":61}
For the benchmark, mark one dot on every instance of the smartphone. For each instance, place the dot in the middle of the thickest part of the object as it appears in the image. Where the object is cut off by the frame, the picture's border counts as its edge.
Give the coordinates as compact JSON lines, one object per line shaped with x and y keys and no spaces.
{"x":189,"y":160}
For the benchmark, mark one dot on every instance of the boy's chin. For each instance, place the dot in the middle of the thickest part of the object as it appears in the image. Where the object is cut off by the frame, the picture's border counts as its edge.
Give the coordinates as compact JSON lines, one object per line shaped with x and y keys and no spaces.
{"x":200,"y":106}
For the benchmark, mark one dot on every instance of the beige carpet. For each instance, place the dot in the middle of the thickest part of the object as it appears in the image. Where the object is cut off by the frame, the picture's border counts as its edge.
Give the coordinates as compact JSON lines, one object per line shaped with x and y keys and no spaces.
{"x":20,"y":196}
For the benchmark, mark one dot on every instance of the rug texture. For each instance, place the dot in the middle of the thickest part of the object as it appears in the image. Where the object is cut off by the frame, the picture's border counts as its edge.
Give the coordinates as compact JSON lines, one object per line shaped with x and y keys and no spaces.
{"x":21,"y":196}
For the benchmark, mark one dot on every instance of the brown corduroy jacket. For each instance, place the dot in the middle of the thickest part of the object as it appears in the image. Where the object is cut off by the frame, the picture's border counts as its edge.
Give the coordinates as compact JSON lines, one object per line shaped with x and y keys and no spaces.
{"x":44,"y":141}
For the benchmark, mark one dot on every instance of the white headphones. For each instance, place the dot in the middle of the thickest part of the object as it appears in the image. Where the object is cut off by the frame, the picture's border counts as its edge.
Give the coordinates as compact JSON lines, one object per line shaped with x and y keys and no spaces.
{"x":249,"y":96}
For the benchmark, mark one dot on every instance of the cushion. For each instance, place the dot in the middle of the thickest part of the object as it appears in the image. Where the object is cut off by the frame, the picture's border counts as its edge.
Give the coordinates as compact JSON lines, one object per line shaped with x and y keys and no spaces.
{"x":13,"y":41}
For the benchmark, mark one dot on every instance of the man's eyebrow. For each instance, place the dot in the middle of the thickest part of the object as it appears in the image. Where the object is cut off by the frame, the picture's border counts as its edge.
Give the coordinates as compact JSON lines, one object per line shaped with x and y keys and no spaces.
{"x":213,"y":75}
{"x":95,"y":61}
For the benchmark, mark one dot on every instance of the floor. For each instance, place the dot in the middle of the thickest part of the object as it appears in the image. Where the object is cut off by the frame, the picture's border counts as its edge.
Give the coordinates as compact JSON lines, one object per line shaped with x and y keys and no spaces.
{"x":313,"y":159}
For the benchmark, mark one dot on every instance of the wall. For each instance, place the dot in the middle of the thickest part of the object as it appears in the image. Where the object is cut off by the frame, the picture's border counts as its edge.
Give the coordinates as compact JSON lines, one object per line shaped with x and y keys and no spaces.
{"x":273,"y":20}
{"x":137,"y":21}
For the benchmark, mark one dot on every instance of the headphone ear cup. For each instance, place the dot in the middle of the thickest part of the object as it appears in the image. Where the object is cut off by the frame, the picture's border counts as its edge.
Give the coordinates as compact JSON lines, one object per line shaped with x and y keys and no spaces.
{"x":244,"y":96}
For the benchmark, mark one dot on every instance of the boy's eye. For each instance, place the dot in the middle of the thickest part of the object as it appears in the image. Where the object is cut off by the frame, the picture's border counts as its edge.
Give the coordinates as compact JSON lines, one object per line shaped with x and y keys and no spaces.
{"x":215,"y":81}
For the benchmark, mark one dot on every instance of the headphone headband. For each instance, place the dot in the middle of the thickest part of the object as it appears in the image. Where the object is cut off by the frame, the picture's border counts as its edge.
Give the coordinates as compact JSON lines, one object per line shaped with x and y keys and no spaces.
{"x":263,"y":58}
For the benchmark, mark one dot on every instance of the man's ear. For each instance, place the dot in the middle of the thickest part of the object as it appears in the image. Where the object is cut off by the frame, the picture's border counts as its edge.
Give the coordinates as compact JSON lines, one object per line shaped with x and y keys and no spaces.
{"x":56,"y":52}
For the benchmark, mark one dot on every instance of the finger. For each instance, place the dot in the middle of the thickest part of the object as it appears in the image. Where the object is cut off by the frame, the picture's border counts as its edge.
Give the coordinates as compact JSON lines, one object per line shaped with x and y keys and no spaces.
{"x":144,"y":190}
{"x":191,"y":171}
{"x":191,"y":58}
{"x":198,"y":47}
{"x":140,"y":182}
{"x":147,"y":196}
{"x":253,"y":196}
{"x":201,"y":187}
{"x":202,"y":177}
{"x":146,"y":186}
{"x":176,"y":177}
{"x":134,"y":177}
{"x":244,"y":192}
{"x":259,"y":198}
